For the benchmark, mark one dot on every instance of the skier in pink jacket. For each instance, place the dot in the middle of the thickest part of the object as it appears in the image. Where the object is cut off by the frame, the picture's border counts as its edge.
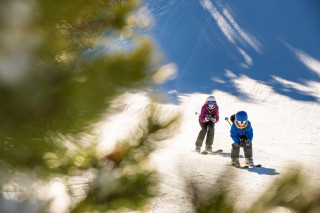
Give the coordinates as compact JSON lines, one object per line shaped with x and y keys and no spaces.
{"x":208,"y":117}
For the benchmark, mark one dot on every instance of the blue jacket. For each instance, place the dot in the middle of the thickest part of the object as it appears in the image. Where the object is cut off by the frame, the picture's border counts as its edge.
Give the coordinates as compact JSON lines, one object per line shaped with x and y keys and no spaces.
{"x":237,"y":132}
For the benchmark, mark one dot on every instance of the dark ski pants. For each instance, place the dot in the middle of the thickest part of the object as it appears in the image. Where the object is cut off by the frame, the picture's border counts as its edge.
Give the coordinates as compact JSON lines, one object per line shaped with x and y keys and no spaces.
{"x":247,"y":149}
{"x":206,"y":129}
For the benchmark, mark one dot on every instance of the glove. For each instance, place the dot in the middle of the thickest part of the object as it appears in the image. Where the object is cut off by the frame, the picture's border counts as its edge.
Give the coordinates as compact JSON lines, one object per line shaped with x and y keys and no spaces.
{"x":242,"y":142}
{"x":207,"y":119}
{"x":248,"y":141}
{"x":213,"y":119}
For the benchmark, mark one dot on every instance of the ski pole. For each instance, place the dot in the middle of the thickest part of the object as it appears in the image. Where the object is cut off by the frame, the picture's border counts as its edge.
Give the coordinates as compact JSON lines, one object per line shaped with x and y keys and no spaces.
{"x":226,"y":118}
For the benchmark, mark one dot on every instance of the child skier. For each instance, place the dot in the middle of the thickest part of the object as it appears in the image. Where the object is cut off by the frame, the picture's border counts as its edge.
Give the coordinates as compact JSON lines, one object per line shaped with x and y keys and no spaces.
{"x":208,"y":117}
{"x":241,"y":134}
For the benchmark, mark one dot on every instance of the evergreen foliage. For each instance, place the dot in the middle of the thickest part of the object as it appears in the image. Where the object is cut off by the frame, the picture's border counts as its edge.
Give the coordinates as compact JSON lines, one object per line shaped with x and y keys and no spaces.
{"x":56,"y":82}
{"x":291,"y":192}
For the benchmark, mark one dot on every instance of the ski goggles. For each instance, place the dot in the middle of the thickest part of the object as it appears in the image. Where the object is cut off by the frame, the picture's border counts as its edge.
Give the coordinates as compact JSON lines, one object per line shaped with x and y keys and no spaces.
{"x":241,"y":122}
{"x":211,"y":102}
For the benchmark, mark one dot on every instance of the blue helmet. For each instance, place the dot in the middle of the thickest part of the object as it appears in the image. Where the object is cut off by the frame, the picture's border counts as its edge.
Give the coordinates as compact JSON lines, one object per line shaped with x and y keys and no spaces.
{"x":241,"y":116}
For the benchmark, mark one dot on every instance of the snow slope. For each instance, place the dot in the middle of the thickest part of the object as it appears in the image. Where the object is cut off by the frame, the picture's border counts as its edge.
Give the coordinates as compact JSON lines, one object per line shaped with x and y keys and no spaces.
{"x":259,"y":56}
{"x":286,"y":132}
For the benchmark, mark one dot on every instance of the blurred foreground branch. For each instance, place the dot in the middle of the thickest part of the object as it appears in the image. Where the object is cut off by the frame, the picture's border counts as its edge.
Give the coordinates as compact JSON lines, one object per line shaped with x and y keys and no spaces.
{"x":291,"y":192}
{"x":61,"y":65}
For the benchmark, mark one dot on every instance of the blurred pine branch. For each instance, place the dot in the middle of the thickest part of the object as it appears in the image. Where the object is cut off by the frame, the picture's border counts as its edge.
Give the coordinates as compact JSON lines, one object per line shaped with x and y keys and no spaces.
{"x":291,"y":192}
{"x":61,"y":67}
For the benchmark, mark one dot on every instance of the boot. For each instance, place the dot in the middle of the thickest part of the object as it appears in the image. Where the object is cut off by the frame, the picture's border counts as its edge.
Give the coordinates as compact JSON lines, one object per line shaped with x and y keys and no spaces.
{"x":197,"y":149}
{"x":209,"y":148}
{"x":249,"y":161}
{"x":235,"y":162}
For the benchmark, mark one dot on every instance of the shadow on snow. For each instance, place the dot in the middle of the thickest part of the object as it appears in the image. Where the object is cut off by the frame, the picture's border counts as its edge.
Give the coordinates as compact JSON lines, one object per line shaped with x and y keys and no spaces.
{"x":263,"y":171}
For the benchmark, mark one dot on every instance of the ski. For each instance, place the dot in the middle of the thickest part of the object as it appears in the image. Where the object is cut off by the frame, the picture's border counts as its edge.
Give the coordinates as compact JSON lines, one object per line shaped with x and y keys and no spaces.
{"x":239,"y":167}
{"x":257,"y":165}
{"x":208,"y":152}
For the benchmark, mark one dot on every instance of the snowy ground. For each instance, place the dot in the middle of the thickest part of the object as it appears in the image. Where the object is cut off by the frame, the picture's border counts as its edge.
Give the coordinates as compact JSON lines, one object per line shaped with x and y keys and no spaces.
{"x":285,"y":132}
